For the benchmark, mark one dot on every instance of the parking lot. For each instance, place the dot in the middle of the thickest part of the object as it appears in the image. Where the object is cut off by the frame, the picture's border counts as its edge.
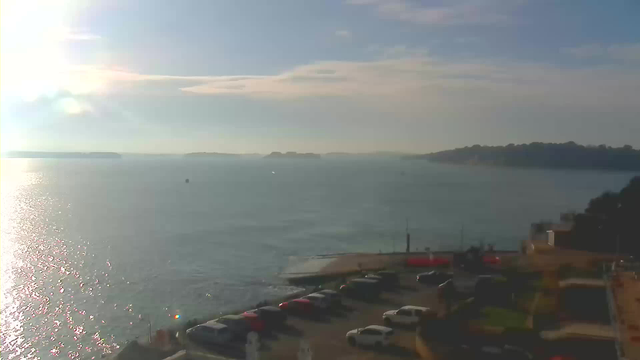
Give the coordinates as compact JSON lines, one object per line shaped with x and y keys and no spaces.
{"x":326,"y":332}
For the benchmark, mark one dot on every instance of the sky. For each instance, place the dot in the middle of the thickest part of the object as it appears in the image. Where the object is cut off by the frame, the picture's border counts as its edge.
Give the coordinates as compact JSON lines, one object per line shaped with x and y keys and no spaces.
{"x":165,"y":76}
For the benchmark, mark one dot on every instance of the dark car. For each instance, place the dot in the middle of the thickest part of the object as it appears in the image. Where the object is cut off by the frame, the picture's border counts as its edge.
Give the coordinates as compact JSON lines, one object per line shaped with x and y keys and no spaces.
{"x":238,"y":325}
{"x":298,"y":307}
{"x":334,"y":297}
{"x":385,"y":282}
{"x":364,"y":289}
{"x":389,"y":277}
{"x":270,"y":315}
{"x":433,"y":277}
{"x":255,"y":322}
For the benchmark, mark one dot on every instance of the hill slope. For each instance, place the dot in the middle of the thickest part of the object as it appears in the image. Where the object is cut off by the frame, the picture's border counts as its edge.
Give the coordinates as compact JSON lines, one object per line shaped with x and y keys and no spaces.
{"x":550,"y":155}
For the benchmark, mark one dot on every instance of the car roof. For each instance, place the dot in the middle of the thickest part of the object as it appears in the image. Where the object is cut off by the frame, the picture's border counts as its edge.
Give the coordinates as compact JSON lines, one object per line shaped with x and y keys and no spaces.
{"x":373,"y":276}
{"x":233,"y":317}
{"x":411,"y":307}
{"x":270,"y":308}
{"x":249,"y":315}
{"x":367,"y":281}
{"x":387,"y":272}
{"x":214,"y":325}
{"x":316,"y":295}
{"x":306,"y":301}
{"x":327,"y":291}
{"x":379,"y":328}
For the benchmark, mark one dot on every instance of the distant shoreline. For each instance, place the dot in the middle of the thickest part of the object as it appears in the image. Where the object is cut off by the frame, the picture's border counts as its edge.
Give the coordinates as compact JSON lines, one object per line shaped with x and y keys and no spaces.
{"x":60,"y":155}
{"x":541,"y":155}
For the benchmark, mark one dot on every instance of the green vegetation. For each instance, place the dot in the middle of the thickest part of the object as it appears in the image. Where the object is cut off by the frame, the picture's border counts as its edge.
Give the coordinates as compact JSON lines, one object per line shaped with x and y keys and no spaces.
{"x":610,"y":222}
{"x":549,"y":155}
{"x":498,"y":317}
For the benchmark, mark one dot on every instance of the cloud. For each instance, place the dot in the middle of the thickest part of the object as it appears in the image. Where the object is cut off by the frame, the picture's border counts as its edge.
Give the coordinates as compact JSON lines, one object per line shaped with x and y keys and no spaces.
{"x":585,"y":51}
{"x":82,"y":36}
{"x":455,"y":12}
{"x":623,"y":52}
{"x":402,"y":78}
{"x":70,"y":34}
{"x":626,"y":52}
{"x":397,"y":51}
{"x":72,"y":106}
{"x":345,"y":34}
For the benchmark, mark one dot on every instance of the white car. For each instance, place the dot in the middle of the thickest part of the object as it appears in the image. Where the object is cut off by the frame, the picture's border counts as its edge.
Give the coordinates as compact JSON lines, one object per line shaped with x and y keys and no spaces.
{"x":406,"y":315}
{"x":375,"y":335}
{"x":318,"y":300}
{"x":210,"y":333}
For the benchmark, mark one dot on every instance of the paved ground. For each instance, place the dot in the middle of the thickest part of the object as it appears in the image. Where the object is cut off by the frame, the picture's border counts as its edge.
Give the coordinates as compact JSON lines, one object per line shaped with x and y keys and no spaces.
{"x":326,"y":334}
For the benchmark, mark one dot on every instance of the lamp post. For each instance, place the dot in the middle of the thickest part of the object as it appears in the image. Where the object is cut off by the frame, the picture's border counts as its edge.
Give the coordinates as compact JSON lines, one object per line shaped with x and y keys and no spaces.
{"x":148,"y":320}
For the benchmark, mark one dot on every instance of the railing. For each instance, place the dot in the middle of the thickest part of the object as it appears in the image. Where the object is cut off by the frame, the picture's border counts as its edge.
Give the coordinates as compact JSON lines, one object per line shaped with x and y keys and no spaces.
{"x":613,"y":314}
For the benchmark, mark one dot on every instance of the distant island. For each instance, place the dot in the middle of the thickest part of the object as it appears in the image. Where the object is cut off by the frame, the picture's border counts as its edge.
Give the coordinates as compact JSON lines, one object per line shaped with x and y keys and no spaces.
{"x":545,"y":155}
{"x":292,"y":155}
{"x":61,"y":155}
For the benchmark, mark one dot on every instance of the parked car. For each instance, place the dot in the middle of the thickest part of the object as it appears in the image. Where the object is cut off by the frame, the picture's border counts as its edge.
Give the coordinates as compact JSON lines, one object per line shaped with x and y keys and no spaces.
{"x":389,"y":277}
{"x":272,"y":316}
{"x":466,"y":284}
{"x":433,"y":277}
{"x":210,"y":333}
{"x":318,"y":300}
{"x":298,"y":306}
{"x":365,"y":289}
{"x":425,"y":261}
{"x":406,"y":315}
{"x":379,"y":279}
{"x":255,"y":322}
{"x":334,"y":297}
{"x":237,"y":324}
{"x":375,"y":335}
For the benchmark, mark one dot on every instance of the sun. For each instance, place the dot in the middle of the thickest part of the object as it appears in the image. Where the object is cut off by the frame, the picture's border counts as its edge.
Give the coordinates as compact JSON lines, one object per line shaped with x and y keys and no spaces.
{"x":33,"y":59}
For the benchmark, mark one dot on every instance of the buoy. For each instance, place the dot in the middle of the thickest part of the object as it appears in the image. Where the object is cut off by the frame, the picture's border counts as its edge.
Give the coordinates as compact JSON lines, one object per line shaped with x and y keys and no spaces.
{"x":186,"y":181}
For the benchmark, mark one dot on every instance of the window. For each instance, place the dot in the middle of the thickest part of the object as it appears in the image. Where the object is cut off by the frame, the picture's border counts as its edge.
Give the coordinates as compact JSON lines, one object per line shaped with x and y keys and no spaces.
{"x":207,"y":330}
{"x":404,"y":312}
{"x":369,"y":332}
{"x":418,"y":312}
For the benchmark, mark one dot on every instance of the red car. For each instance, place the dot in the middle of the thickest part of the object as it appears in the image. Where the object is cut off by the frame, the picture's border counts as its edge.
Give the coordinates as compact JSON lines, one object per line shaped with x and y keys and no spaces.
{"x":298,"y":306}
{"x":491,"y":260}
{"x":423,"y":261}
{"x":255,"y":322}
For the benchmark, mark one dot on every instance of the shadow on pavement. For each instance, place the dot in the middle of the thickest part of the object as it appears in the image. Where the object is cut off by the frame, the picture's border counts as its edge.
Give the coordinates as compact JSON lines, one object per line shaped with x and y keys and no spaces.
{"x":290,"y":330}
{"x":321,"y":318}
{"x":269,"y":335}
{"x":346,"y":308}
{"x":233,"y":350}
{"x":406,"y":288}
{"x":388,"y":302}
{"x":396,"y":350}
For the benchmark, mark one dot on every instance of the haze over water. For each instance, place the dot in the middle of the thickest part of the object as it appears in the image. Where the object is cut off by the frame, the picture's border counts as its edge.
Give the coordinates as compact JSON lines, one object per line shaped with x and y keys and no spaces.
{"x":89,"y":247}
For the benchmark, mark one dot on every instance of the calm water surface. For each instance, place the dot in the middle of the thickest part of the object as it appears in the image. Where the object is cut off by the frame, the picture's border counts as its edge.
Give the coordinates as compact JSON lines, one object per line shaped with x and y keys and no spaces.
{"x":91,"y":249}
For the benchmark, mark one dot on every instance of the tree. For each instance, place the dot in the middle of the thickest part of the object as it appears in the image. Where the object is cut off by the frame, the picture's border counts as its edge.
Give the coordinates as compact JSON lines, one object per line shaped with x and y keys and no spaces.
{"x":611,"y":222}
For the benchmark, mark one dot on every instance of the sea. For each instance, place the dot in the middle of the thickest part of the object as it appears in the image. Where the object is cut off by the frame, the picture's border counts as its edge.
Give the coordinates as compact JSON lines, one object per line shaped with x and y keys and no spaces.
{"x":94,"y":251}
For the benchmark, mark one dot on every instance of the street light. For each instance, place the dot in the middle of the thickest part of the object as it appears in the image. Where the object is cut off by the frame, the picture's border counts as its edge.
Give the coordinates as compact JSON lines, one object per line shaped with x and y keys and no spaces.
{"x":148,"y":320}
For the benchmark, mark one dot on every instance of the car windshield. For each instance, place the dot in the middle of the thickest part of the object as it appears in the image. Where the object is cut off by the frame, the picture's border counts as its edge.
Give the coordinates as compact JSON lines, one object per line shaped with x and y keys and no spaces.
{"x":167,"y":163}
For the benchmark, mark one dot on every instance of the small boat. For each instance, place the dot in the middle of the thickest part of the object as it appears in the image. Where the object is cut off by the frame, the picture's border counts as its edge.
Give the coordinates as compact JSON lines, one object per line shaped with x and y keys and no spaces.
{"x":186,"y":181}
